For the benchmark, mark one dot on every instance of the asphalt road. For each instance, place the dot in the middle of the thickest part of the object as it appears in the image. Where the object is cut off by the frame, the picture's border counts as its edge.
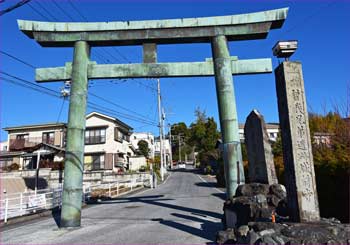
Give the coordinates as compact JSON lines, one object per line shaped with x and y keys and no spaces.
{"x":183,"y":210}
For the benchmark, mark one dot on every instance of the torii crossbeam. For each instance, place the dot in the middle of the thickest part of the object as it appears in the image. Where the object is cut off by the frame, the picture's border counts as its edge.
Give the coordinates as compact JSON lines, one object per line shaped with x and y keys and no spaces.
{"x":215,"y":30}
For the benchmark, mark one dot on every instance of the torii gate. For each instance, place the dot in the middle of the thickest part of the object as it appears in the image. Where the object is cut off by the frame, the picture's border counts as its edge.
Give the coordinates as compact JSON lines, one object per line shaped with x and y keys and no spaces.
{"x":215,"y":30}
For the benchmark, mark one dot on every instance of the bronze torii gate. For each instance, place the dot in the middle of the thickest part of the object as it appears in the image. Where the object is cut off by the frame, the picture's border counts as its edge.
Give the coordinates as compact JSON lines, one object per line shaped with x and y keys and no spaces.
{"x":215,"y":30}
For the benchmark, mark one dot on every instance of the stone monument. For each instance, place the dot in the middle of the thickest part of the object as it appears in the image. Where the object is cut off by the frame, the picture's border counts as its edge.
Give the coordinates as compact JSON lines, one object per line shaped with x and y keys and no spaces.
{"x":261,"y":168}
{"x":297,"y":151}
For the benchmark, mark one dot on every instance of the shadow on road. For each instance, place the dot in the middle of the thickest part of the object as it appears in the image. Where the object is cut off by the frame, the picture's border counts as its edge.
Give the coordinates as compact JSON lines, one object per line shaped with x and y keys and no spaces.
{"x":207,"y":230}
{"x":156,"y":200}
{"x":208,"y":227}
{"x":56,"y":215}
{"x":220,"y":195}
{"x":206,"y":184}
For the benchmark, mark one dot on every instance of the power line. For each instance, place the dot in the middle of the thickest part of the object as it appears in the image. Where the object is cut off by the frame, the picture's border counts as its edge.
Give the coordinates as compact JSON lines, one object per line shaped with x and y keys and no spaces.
{"x":29,"y":87}
{"x":97,"y":53}
{"x":45,"y":10}
{"x":108,"y":101}
{"x":51,"y":91}
{"x":62,"y":10}
{"x":27,"y":84}
{"x":13,"y":7}
{"x":31,"y":66}
{"x":77,"y":10}
{"x":85,"y":19}
{"x":19,"y":60}
{"x":60,"y":112}
{"x":37,"y":11}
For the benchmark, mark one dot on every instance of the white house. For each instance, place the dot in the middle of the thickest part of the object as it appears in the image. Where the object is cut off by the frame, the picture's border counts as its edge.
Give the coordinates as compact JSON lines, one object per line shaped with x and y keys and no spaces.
{"x":166,"y":149}
{"x":135,"y":138}
{"x":4,"y":145}
{"x":107,"y":143}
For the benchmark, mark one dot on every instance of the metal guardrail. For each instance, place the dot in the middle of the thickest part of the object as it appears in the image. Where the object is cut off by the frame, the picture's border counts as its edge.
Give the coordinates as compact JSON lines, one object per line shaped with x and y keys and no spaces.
{"x":29,"y":202}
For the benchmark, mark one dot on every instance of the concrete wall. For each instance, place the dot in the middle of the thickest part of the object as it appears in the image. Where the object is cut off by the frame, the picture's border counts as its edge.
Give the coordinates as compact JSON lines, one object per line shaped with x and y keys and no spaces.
{"x":53,"y":179}
{"x":135,"y":163}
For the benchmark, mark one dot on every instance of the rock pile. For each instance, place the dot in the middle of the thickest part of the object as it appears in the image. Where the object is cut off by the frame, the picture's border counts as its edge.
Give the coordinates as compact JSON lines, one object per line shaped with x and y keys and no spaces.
{"x":326,"y":231}
{"x":249,"y":215}
{"x":255,"y":202}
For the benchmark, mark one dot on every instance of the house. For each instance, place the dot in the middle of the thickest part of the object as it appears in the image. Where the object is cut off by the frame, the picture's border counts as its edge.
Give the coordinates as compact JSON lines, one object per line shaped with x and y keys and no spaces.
{"x":25,"y":141}
{"x":3,"y":146}
{"x":107,"y":144}
{"x":135,"y":138}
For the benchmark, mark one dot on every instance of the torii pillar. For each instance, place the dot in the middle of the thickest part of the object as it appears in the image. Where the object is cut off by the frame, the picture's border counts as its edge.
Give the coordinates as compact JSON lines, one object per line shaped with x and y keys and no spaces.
{"x":233,"y":165}
{"x":74,"y":165}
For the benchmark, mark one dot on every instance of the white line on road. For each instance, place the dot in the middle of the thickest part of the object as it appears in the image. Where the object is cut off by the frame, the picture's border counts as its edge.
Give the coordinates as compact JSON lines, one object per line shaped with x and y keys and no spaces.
{"x":208,"y":183}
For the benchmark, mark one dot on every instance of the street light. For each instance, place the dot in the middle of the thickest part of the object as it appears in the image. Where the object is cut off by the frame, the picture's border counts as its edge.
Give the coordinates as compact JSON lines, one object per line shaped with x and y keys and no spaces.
{"x":285,"y":49}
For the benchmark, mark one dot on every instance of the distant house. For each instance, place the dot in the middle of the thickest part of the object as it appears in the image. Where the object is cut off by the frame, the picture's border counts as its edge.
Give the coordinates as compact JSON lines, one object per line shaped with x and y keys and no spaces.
{"x":107,"y":144}
{"x":271,"y":128}
{"x":166,"y":149}
{"x":3,"y":146}
{"x":135,"y":138}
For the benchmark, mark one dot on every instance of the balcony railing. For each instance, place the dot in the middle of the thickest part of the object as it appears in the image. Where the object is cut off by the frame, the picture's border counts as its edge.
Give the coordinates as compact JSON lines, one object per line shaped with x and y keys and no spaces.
{"x":20,"y":144}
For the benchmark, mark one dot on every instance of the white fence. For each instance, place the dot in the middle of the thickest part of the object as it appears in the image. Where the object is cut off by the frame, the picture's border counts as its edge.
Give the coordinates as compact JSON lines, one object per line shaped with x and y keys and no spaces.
{"x":24,"y":203}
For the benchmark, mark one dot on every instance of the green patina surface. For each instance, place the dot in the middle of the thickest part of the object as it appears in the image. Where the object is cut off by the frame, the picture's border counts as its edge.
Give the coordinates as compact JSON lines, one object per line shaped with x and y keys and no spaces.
{"x":74,"y":158}
{"x":234,"y":27}
{"x":232,"y":154}
{"x":149,"y":70}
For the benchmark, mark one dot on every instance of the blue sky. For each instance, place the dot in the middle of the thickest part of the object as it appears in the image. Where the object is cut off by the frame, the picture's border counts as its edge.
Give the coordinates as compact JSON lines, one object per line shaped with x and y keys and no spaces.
{"x":321,"y":27}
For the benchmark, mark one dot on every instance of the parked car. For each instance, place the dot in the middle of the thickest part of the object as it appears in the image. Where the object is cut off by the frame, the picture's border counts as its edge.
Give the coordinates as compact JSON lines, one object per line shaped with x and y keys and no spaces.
{"x":182,"y":165}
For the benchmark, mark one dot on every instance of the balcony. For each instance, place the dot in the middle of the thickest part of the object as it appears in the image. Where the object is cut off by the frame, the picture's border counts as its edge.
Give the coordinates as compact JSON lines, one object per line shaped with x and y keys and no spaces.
{"x":21,"y":144}
{"x":119,"y":162}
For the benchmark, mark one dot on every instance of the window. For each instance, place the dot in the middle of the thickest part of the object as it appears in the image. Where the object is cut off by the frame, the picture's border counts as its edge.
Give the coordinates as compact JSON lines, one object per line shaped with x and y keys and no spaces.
{"x":120,"y":135}
{"x":94,"y":162}
{"x":49,"y":138}
{"x":95,"y":136}
{"x":22,"y":136}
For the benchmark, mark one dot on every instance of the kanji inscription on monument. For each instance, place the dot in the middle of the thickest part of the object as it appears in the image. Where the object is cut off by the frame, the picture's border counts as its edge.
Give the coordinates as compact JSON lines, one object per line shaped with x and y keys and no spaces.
{"x":297,"y":151}
{"x":260,"y":158}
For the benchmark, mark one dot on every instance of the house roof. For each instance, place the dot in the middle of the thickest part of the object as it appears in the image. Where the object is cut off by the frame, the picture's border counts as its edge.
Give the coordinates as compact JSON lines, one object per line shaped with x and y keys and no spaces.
{"x":94,"y":113}
{"x":32,"y":126}
{"x":38,"y":146}
{"x":62,"y":124}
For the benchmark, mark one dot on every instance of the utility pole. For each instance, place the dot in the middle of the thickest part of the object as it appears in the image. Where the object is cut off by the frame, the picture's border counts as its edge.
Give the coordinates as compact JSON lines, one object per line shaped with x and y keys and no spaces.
{"x":164,"y":148}
{"x":171,"y":148}
{"x":179,"y":139}
{"x":160,"y":131}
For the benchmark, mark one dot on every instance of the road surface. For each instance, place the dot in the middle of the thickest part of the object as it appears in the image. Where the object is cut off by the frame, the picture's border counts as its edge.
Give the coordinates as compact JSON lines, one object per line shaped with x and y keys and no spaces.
{"x":183,"y":210}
